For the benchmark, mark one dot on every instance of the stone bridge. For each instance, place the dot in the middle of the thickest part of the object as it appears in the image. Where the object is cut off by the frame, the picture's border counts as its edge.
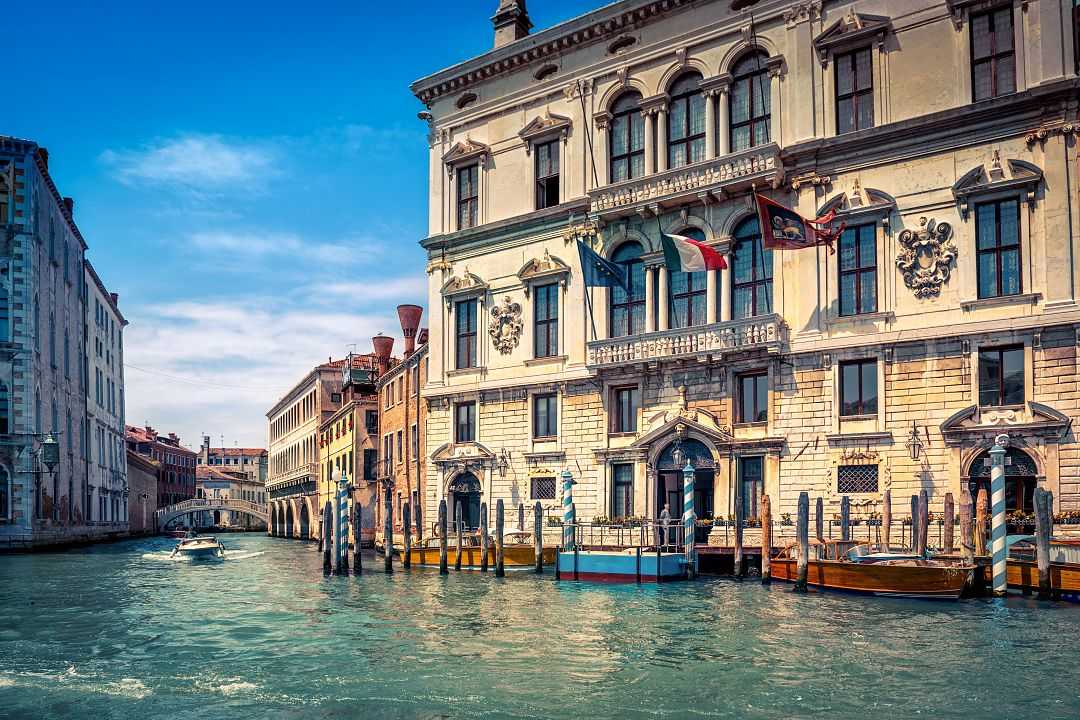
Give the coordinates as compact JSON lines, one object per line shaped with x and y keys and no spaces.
{"x":168,"y":514}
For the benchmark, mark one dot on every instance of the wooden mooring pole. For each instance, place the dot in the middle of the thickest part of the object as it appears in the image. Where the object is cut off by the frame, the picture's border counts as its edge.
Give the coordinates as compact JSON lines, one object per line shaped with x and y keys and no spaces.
{"x":484,"y":540}
{"x":388,"y":531}
{"x":327,"y":539}
{"x":802,"y":532}
{"x":442,"y":538}
{"x":739,"y":520}
{"x":1044,"y":523}
{"x":538,"y":536}
{"x":358,"y":525}
{"x":457,"y":527}
{"x":950,"y":521}
{"x":914,"y":523}
{"x":521,"y":517}
{"x":886,"y":518}
{"x":406,"y":528}
{"x":819,"y":519}
{"x":766,"y":540}
{"x":967,"y":541}
{"x":924,"y":522}
{"x":845,"y":518}
{"x":982,"y":511}
{"x":500,"y":570}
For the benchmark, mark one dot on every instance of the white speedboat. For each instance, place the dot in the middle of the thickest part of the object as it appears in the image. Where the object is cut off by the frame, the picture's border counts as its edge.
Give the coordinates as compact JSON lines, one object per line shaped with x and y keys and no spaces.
{"x":199,"y":548}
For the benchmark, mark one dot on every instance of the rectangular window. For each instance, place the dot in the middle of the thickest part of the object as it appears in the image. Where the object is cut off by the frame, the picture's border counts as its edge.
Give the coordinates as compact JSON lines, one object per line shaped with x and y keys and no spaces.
{"x":468,"y":195}
{"x":335,"y":397}
{"x":1001,"y":376}
{"x":625,"y":401}
{"x":993,"y":65}
{"x":622,"y":490}
{"x":852,"y":479}
{"x":414,"y":442}
{"x":414,"y":376}
{"x":545,"y":416}
{"x":371,"y":421}
{"x":400,"y":446}
{"x":465,"y":319}
{"x":753,"y":398}
{"x":546,"y":320}
{"x":858,"y":270}
{"x":997,"y":243}
{"x":542,"y":488}
{"x":465,"y":422}
{"x":547,"y":174}
{"x":858,"y":388}
{"x":751,"y":485}
{"x":854,"y":91}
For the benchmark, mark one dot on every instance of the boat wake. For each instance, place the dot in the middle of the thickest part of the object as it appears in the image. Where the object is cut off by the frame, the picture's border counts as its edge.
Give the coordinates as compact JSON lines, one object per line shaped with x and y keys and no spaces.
{"x":243,"y":555}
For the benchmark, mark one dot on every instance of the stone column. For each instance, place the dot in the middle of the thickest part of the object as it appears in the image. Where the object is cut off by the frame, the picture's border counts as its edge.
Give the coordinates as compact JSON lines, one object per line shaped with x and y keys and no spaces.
{"x":725,"y":288}
{"x":650,"y":298}
{"x":710,"y":296}
{"x":723,"y":127}
{"x":663,"y":311}
{"x":661,"y":140}
{"x":650,"y":141}
{"x":600,"y":151}
{"x":710,"y":124}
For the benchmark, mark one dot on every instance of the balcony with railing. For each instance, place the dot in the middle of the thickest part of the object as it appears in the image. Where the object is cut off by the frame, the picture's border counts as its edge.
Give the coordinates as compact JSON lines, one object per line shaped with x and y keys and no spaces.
{"x":764,"y":332}
{"x":726,"y":174}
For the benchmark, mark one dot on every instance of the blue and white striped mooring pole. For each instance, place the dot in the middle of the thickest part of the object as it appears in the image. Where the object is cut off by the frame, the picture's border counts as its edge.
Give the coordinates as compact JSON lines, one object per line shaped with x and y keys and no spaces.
{"x":688,"y":516}
{"x":341,"y":539}
{"x":997,"y":512}
{"x":568,"y":509}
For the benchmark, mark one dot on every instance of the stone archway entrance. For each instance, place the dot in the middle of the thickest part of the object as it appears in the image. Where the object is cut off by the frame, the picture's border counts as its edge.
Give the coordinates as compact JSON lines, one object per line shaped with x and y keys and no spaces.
{"x":1021,"y":479}
{"x":465,"y":489}
{"x":305,"y":521}
{"x":288,"y":520}
{"x":669,"y":477}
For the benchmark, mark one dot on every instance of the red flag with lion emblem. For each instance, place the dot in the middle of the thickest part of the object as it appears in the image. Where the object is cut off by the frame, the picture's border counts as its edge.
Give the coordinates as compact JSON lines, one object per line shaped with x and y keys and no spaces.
{"x":785,"y":229}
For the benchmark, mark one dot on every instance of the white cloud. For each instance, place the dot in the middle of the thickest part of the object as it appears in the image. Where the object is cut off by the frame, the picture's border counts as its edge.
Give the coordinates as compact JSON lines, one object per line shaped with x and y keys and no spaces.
{"x":196,"y":162}
{"x":259,"y":245}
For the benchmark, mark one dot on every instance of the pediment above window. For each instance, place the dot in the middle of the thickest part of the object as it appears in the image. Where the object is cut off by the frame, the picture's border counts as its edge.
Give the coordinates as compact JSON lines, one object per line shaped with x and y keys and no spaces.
{"x":851,"y":30}
{"x":543,"y":127}
{"x":860,"y":204}
{"x":541,"y":269}
{"x":462,"y":286}
{"x":466,"y":455}
{"x":982,"y":180}
{"x":465,"y":151}
{"x":688,"y":422}
{"x":1034,"y":419}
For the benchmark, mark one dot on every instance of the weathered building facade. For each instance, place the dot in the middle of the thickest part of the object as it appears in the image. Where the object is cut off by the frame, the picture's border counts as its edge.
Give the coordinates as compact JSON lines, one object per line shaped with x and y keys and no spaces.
{"x":942,"y":134}
{"x":42,"y":376}
{"x":104,"y":358}
{"x":177,"y":480}
{"x":250,"y":462}
{"x":292,"y":483}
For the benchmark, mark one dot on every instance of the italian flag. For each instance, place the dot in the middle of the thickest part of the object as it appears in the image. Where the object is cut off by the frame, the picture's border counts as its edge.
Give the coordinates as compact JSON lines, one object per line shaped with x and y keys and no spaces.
{"x":683,"y":254}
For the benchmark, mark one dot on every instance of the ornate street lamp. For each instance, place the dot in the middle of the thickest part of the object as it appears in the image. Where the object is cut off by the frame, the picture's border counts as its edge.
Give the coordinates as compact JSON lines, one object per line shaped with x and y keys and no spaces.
{"x":915,"y":443}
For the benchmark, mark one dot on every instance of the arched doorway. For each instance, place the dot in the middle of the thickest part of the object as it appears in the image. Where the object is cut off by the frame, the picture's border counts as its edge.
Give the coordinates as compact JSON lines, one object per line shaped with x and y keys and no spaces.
{"x":465,"y":489}
{"x":669,"y":477}
{"x":275,"y":520}
{"x":305,"y":521}
{"x":1021,"y":479}
{"x":288,"y":520}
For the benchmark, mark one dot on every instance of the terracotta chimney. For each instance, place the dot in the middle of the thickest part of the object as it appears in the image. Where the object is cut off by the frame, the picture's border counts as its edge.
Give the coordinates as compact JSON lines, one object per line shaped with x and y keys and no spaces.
{"x":69,"y":205}
{"x":422,"y":336}
{"x":511,"y":22}
{"x":115,"y":299}
{"x":409,"y":315}
{"x":383,"y":347}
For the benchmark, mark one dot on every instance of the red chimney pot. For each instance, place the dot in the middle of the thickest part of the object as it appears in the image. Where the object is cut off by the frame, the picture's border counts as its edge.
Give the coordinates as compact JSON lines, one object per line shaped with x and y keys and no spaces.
{"x":409,"y":315}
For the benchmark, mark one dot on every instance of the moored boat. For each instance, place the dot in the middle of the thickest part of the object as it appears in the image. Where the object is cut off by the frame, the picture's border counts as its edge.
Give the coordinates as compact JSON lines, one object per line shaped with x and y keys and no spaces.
{"x":199,"y":548}
{"x":829,"y":567}
{"x":518,"y":552}
{"x":622,"y":565}
{"x":1022,"y":570}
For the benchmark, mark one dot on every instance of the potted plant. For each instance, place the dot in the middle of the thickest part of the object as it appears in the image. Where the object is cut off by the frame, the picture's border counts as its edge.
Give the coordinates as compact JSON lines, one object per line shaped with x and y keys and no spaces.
{"x":601,"y":520}
{"x":785,"y":519}
{"x":753,"y":522}
{"x":554,"y":521}
{"x":874,"y":520}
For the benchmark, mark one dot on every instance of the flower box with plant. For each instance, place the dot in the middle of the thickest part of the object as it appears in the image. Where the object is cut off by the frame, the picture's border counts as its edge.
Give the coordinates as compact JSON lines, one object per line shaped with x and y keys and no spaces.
{"x":785,"y":519}
{"x":874,"y":520}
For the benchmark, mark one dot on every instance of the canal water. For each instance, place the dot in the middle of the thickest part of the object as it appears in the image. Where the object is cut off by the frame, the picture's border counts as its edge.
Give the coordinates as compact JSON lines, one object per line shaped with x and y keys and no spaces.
{"x":120,"y":631}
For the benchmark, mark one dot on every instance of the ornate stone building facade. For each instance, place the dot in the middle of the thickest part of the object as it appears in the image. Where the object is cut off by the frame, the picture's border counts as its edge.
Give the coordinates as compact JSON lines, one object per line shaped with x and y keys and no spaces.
{"x":943,"y":134}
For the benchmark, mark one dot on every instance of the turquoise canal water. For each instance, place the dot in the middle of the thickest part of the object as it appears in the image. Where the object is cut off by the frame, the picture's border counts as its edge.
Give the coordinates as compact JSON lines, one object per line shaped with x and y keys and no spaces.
{"x":119,"y":631}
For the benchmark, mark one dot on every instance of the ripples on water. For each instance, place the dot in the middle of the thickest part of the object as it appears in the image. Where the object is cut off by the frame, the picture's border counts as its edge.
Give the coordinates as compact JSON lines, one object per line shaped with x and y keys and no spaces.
{"x":121,"y":631}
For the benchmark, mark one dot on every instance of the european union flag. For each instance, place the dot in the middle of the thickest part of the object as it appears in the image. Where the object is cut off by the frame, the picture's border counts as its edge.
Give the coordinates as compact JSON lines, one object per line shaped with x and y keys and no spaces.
{"x":599,"y":272}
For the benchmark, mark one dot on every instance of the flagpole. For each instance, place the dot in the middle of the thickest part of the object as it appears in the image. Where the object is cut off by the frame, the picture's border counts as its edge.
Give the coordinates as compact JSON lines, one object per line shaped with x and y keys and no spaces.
{"x":588,"y":307}
{"x":761,"y":246}
{"x":757,"y":69}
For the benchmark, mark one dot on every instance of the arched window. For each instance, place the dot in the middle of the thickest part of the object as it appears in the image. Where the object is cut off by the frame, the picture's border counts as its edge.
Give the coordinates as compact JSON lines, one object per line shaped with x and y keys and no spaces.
{"x":686,"y":122}
{"x":752,"y":286}
{"x":627,"y":138}
{"x":5,"y":412}
{"x":749,"y":101}
{"x":627,"y":315}
{"x":688,"y":292}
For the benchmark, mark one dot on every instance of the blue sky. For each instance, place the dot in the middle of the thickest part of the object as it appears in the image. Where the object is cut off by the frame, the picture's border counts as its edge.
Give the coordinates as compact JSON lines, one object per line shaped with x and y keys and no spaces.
{"x":250,"y":177}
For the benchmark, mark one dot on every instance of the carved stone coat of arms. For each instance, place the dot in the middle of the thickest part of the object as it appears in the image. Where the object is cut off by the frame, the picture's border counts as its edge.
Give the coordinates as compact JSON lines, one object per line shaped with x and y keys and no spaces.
{"x":506,"y":326}
{"x":926,"y":257}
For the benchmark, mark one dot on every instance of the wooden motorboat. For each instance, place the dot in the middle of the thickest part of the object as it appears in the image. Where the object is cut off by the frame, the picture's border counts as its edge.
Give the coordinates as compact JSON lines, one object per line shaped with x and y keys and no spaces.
{"x":829,"y":567}
{"x":518,"y":552}
{"x":1022,"y":570}
{"x":199,"y":548}
{"x":622,"y":565}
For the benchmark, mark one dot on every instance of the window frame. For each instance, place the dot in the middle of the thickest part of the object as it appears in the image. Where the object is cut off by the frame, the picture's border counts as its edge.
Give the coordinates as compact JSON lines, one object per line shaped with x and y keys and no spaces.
{"x":618,"y":410}
{"x":855,"y":95}
{"x":548,"y":326}
{"x":631,"y":153}
{"x":628,"y":505}
{"x":551,"y":429}
{"x":532,"y":487}
{"x":752,"y":119}
{"x":1000,"y":351}
{"x":633,"y":303}
{"x":469,"y":203}
{"x":993,"y":58}
{"x":688,"y":138}
{"x":542,"y":187}
{"x":758,"y":252}
{"x":470,"y":407}
{"x":859,"y":270}
{"x":469,"y":335}
{"x":740,"y":379}
{"x":861,"y":404}
{"x":997,"y":250}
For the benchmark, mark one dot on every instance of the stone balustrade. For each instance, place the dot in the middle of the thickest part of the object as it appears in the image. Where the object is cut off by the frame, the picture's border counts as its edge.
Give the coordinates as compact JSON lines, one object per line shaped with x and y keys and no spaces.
{"x":763,"y":332}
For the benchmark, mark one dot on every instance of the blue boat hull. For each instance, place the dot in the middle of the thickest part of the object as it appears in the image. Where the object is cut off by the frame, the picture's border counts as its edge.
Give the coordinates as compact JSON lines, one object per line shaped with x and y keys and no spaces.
{"x":620,"y":566}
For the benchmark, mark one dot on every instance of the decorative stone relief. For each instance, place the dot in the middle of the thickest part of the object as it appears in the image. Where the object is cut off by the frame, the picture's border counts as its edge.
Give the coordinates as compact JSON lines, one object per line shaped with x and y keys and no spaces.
{"x":927,"y":256}
{"x":506,"y":326}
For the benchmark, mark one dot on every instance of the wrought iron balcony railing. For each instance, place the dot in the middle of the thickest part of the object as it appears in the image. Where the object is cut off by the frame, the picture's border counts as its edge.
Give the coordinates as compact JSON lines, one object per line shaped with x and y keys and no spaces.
{"x":765,"y":332}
